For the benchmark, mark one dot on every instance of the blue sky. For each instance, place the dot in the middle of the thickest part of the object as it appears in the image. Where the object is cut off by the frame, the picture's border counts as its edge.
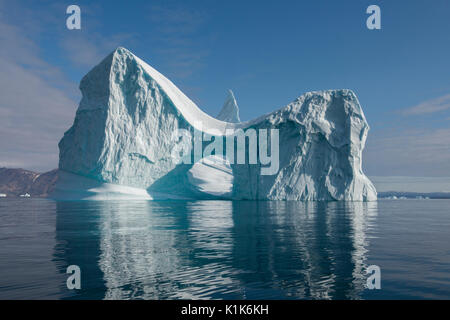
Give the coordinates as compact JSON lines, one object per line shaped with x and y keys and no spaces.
{"x":267,"y":52}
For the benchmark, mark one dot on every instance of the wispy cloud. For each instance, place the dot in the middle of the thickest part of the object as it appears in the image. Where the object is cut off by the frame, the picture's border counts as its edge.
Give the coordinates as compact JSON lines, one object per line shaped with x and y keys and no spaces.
{"x":177,"y":20}
{"x":88,"y":49}
{"x":430,"y":106}
{"x":37,"y":100}
{"x":408,"y":152}
{"x":36,"y":106}
{"x":179,"y":37}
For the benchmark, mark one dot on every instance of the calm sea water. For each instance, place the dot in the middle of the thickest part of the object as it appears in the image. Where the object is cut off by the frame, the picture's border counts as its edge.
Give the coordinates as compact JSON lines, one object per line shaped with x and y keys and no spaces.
{"x":224,"y":250}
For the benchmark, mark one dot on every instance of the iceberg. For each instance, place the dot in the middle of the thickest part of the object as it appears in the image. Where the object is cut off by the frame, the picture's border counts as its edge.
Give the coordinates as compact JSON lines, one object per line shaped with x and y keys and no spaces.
{"x":122,"y":143}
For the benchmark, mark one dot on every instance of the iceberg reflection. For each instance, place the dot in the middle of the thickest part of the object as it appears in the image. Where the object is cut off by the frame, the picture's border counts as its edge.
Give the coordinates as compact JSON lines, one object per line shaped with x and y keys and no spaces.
{"x":219,"y":249}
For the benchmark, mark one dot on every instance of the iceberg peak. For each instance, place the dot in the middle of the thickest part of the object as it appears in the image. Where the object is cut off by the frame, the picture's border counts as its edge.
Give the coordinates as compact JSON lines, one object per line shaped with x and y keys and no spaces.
{"x":230,"y":109}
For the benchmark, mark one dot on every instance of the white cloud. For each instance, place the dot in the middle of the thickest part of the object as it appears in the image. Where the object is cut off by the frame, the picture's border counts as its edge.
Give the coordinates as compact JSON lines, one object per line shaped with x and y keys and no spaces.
{"x":89,"y":49}
{"x":35,"y":105}
{"x":178,"y":38}
{"x":430,"y":106}
{"x":408,"y":152}
{"x":38,"y":102}
{"x":411,"y":184}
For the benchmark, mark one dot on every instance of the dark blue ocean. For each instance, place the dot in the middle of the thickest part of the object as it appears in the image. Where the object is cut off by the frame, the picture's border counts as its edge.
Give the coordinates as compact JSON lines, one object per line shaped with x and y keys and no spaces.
{"x":224,"y":249}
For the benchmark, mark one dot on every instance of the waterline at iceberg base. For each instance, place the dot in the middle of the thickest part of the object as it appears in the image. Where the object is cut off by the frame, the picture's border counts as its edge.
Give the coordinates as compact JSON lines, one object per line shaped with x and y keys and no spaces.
{"x":121,"y":143}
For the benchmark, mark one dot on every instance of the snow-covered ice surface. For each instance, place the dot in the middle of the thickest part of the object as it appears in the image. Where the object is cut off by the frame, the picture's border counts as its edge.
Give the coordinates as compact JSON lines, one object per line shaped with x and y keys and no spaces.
{"x":213,"y":176}
{"x":74,"y":187}
{"x":123,"y":136}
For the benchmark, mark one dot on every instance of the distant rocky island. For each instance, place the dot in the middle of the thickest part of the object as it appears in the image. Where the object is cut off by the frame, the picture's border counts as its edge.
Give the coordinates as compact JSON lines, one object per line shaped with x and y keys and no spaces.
{"x":21,"y":182}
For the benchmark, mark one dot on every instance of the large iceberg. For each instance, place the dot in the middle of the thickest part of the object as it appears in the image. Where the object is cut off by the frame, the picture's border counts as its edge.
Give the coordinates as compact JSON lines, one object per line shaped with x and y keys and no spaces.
{"x":122,"y":143}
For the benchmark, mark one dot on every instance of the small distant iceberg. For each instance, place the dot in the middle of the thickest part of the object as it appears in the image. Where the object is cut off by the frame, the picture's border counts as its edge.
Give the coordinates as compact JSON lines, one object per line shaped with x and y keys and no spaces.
{"x":396,"y":195}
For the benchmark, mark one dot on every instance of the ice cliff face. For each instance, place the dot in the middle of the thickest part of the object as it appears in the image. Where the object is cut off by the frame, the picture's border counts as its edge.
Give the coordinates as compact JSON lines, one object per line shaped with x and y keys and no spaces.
{"x":230,"y":110}
{"x":123,"y":134}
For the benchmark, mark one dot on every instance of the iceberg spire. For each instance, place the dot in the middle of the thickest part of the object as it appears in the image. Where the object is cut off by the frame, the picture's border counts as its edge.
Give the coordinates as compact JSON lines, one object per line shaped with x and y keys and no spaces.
{"x":230,"y":109}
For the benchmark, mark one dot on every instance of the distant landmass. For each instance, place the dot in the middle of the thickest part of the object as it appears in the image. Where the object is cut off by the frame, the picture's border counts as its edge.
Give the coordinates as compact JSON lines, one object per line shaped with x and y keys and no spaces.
{"x":411,"y":184}
{"x":399,"y":187}
{"x":20,"y":182}
{"x":413,"y":195}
